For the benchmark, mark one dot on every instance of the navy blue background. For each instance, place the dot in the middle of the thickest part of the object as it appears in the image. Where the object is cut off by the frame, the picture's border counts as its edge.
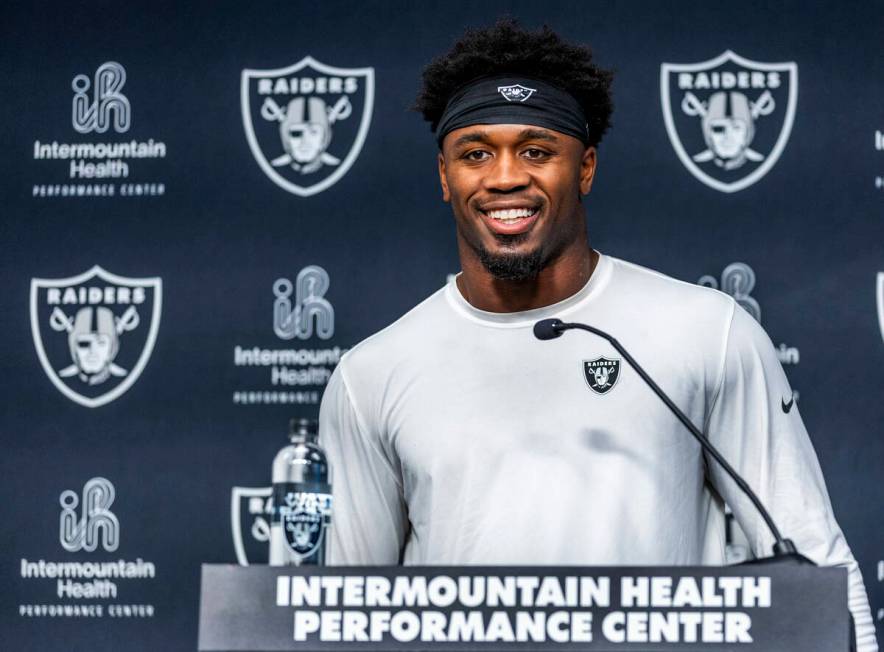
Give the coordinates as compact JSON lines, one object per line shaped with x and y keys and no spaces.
{"x":174,"y":444}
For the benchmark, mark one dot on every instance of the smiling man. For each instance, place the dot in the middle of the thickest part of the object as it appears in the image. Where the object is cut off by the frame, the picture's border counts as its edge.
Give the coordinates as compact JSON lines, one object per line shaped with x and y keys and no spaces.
{"x":456,"y":437}
{"x":516,"y":194}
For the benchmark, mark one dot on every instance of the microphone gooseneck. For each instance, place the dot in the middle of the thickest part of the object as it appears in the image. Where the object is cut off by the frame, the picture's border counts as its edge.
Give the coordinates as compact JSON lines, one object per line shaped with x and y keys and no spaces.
{"x":548,"y":329}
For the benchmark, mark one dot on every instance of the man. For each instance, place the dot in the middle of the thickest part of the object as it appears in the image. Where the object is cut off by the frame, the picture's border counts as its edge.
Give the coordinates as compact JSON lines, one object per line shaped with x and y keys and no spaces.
{"x":456,"y":437}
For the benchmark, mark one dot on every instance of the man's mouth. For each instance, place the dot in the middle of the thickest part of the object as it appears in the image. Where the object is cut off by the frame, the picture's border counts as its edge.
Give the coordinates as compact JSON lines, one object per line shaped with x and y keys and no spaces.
{"x":510,"y":221}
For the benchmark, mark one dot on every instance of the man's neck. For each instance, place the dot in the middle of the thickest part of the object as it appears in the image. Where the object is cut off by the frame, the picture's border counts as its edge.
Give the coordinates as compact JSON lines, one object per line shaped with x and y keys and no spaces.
{"x":559,"y":280}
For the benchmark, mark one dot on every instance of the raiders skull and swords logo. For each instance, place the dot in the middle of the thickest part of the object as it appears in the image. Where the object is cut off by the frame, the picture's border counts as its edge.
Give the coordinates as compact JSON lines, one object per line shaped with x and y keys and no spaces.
{"x":516,"y":92}
{"x":306,"y":123}
{"x":94,"y":332}
{"x":729,"y":118}
{"x":304,"y":513}
{"x":601,"y":374}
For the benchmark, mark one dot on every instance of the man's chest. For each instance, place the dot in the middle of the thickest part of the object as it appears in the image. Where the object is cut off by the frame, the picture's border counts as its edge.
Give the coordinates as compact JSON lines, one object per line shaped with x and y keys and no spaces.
{"x":577,"y":411}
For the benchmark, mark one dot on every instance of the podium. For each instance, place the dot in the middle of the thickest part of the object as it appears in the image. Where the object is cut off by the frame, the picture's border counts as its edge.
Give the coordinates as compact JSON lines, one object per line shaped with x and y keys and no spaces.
{"x":776,"y":608}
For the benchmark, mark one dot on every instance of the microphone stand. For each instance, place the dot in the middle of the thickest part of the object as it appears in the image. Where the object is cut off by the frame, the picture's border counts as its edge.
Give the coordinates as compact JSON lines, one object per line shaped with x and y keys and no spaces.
{"x":784,"y":550}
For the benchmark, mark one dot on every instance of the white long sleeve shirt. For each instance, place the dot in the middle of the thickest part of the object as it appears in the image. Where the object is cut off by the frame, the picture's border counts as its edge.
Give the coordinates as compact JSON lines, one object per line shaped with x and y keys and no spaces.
{"x":456,"y":437}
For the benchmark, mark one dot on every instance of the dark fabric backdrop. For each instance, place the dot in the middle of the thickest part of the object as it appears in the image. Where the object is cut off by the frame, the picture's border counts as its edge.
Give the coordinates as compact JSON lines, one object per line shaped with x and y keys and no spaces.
{"x":191,"y":424}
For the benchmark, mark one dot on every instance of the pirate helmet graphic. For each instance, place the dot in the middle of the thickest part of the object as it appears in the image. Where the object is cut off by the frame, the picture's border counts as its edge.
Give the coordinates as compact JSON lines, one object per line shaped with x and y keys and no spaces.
{"x":305,"y":132}
{"x":94,"y":341}
{"x":728,"y":123}
{"x":728,"y":127}
{"x":601,"y":374}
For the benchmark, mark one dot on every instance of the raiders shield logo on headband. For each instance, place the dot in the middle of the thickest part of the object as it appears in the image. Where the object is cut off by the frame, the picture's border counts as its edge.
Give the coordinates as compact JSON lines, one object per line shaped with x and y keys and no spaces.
{"x":729,"y":118}
{"x":516,"y":92}
{"x":306,"y":123}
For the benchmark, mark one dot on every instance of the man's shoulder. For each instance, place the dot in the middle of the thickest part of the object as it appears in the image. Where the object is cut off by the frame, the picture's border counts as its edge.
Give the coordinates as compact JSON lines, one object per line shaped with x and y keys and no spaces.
{"x":403,"y":337}
{"x":659,"y":291}
{"x":657,"y":311}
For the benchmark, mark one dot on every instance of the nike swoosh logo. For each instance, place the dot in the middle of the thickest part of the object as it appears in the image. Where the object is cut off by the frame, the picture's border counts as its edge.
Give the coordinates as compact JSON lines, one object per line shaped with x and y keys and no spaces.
{"x":787,"y":407}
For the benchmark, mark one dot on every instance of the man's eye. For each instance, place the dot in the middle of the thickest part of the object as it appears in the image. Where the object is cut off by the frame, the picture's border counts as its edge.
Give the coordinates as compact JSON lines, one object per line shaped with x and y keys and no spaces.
{"x":535,"y":153}
{"x":476,"y":155}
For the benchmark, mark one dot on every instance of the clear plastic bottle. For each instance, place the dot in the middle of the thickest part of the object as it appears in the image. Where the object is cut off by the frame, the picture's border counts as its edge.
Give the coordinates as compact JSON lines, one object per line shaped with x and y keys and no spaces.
{"x":302,"y":499}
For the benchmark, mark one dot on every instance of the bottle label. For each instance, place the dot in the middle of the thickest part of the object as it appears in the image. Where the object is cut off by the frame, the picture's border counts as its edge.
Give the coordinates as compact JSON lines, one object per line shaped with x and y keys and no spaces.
{"x":304,"y":511}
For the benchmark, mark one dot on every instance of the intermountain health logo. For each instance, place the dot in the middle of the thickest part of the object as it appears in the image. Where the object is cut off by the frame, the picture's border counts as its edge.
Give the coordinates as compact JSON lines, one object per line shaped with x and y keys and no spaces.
{"x":91,"y":581}
{"x":107,"y":106}
{"x":94,"y":332}
{"x":296,"y":319}
{"x":306,"y":123}
{"x":94,"y":523}
{"x":107,"y":165}
{"x":729,"y":118}
{"x":303,"y":314}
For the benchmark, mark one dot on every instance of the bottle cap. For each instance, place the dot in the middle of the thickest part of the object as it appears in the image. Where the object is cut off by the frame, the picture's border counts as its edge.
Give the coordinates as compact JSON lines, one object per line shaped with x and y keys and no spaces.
{"x":303,"y":430}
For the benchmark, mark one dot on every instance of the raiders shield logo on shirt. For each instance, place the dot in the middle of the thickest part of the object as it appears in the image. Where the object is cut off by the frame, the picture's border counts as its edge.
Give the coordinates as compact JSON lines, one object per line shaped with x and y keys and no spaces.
{"x":601,"y":374}
{"x":729,"y":118}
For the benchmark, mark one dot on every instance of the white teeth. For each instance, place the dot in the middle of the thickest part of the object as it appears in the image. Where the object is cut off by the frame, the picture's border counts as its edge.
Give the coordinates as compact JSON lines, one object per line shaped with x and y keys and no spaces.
{"x":511,"y":214}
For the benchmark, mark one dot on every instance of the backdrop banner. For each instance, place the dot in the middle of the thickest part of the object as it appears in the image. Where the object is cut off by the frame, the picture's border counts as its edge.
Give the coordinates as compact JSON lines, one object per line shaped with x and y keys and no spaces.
{"x":206,"y":205}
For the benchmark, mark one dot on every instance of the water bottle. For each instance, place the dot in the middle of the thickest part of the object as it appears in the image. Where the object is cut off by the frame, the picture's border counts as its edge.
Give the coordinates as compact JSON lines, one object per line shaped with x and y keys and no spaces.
{"x":302,"y":500}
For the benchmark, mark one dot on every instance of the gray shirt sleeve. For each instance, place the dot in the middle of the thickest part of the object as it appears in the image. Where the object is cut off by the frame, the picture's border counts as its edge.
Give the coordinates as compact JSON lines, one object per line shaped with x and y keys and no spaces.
{"x":369,"y":520}
{"x":767,"y":443}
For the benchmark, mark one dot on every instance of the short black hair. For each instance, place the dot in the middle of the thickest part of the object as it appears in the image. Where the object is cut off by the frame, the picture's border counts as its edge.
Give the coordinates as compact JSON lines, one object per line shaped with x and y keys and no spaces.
{"x":506,"y":47}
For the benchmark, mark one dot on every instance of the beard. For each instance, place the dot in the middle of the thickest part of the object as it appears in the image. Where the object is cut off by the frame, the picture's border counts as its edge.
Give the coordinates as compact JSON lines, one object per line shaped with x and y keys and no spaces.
{"x":510,"y":265}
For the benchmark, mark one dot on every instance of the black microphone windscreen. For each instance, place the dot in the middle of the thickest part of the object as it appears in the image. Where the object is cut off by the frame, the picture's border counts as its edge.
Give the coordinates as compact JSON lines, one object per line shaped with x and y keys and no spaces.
{"x":547,"y":329}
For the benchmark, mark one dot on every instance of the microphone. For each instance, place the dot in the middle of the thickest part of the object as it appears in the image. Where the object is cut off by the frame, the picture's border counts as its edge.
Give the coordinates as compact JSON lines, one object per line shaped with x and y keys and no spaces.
{"x":783,"y":549}
{"x":548,"y":329}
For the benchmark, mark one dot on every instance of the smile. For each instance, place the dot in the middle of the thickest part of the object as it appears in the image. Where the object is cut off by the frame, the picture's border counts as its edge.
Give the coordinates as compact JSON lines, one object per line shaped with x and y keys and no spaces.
{"x":510,"y":221}
{"x":511,"y":215}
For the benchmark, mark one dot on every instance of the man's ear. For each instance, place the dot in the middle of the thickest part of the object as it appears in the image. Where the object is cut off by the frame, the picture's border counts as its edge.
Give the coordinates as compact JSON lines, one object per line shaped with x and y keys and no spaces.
{"x":443,"y":181}
{"x":587,"y":170}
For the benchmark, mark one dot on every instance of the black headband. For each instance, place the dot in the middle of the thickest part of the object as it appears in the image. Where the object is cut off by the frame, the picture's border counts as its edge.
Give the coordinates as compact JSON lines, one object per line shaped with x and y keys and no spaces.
{"x":513,"y":99}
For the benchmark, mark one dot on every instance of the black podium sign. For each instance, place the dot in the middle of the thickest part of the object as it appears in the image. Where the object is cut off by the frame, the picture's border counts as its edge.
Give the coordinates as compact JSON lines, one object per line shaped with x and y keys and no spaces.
{"x":771,"y":608}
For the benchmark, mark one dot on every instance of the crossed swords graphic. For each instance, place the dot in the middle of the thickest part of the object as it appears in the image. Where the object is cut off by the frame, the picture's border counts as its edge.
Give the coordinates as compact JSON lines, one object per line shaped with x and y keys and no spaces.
{"x":694,"y":107}
{"x":127,"y":322}
{"x":342,"y":109}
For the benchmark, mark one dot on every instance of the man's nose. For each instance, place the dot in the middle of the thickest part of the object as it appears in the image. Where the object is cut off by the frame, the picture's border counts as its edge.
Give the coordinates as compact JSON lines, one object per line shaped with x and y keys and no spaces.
{"x":506,"y":174}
